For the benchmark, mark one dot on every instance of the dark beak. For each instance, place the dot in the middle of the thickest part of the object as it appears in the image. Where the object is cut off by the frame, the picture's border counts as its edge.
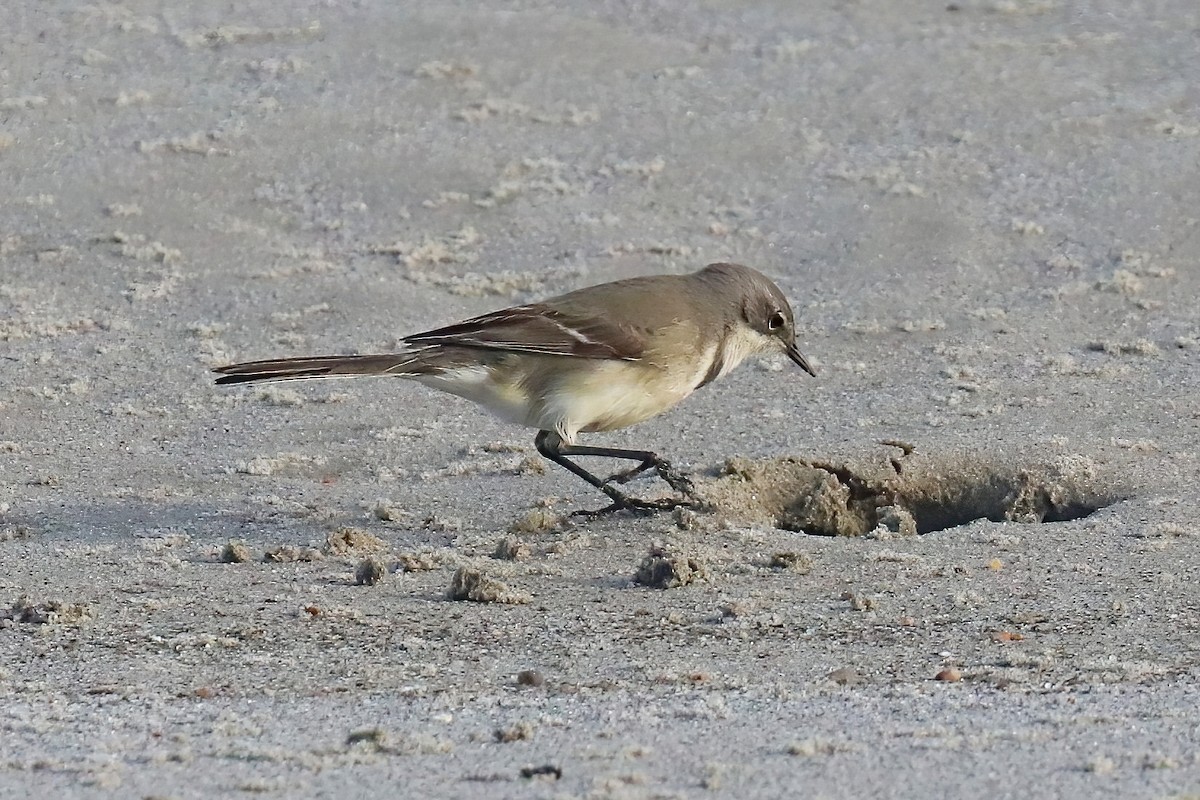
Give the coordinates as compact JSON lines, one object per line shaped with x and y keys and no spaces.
{"x":794,"y":354}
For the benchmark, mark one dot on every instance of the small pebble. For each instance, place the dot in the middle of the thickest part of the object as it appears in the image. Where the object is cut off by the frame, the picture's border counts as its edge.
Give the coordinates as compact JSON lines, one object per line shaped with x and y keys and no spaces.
{"x":235,"y":553}
{"x":530,"y":677}
{"x":370,"y":571}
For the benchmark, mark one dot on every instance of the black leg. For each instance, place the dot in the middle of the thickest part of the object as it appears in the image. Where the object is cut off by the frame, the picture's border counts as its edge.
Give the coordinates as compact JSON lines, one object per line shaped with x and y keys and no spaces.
{"x":551,"y":445}
{"x":649,"y":460}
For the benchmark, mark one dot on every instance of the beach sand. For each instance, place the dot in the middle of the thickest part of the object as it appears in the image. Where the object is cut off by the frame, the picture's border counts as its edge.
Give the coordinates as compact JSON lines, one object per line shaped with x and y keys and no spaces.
{"x":986,"y":215}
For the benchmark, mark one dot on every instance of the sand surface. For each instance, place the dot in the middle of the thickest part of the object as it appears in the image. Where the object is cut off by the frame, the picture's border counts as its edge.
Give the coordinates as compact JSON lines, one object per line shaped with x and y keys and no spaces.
{"x":987,"y":215}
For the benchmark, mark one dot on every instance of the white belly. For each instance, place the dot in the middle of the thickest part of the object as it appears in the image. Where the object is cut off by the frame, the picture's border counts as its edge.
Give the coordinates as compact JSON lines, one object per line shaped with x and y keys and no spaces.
{"x":569,"y":396}
{"x":479,"y":385}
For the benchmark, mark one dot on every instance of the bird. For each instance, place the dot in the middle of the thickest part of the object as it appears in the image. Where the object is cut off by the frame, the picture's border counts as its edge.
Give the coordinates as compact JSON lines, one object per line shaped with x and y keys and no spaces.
{"x":599,"y":358}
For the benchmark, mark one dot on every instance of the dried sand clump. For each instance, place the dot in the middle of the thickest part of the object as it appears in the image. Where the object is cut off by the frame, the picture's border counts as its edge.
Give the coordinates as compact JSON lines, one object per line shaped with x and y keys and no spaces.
{"x":662,"y":569}
{"x":48,"y":612}
{"x":471,"y":583}
{"x":905,"y":496}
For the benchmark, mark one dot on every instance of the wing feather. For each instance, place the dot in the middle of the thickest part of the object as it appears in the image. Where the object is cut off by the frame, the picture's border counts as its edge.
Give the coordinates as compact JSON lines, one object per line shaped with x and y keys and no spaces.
{"x":538,"y":328}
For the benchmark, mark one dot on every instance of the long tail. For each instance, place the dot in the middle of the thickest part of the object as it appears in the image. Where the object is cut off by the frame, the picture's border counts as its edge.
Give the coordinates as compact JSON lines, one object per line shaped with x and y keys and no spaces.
{"x":294,"y":369}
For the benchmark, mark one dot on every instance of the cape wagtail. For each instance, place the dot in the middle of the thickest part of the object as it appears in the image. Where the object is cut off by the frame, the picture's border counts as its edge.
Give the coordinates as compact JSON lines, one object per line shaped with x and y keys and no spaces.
{"x":596,"y":359}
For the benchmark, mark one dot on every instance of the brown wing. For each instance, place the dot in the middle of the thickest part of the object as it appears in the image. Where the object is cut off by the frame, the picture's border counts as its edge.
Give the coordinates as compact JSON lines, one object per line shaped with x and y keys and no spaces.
{"x":538,"y":328}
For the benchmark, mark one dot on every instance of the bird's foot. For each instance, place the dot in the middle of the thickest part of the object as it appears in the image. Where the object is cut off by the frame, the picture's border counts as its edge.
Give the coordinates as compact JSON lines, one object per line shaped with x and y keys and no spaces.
{"x":623,"y":502}
{"x":636,"y":506}
{"x":675,"y":478}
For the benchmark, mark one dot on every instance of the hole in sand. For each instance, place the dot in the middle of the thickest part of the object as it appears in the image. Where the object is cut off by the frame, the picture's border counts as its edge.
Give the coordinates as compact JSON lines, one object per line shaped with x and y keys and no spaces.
{"x":906,"y":495}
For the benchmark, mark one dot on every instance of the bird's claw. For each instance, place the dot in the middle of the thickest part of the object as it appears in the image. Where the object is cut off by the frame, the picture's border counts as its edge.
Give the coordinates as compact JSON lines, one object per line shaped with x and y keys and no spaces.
{"x":679,"y":481}
{"x":636,"y":505}
{"x":676,"y":479}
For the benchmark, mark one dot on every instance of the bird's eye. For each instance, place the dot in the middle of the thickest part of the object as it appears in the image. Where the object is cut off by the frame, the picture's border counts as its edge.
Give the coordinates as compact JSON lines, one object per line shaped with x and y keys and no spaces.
{"x":776,"y":321}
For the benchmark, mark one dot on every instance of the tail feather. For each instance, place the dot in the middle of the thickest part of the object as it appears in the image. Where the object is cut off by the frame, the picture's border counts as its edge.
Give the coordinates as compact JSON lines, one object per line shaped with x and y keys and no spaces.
{"x":294,"y":369}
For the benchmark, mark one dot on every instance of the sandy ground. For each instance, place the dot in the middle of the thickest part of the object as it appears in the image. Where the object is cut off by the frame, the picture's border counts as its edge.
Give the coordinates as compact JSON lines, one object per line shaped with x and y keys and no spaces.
{"x":986,"y":214}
